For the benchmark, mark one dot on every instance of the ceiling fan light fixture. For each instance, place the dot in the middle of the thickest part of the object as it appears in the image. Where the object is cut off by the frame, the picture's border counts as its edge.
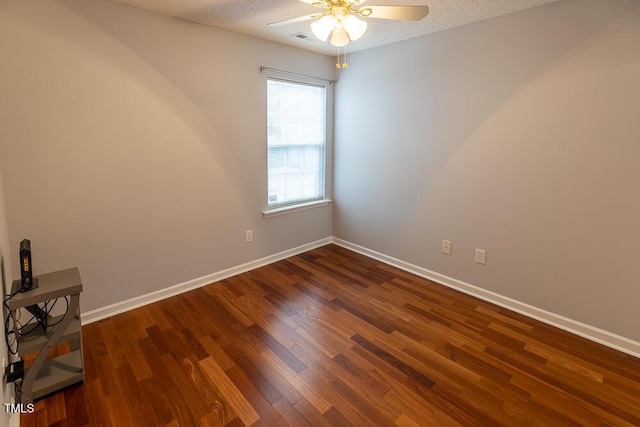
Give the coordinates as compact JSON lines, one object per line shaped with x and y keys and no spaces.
{"x":339,"y":37}
{"x":322,"y":27}
{"x":355,"y":27}
{"x":340,"y":22}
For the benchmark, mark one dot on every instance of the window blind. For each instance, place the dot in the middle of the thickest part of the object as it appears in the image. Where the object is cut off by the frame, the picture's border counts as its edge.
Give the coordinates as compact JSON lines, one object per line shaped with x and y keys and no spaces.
{"x":295,"y":141}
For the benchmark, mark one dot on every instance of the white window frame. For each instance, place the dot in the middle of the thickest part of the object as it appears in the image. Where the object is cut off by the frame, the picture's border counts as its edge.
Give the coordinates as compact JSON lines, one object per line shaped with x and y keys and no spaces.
{"x":274,"y":209}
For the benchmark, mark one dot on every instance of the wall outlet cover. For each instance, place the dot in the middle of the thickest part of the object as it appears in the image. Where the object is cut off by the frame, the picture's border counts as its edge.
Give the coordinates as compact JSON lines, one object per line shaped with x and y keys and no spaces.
{"x":446,"y":247}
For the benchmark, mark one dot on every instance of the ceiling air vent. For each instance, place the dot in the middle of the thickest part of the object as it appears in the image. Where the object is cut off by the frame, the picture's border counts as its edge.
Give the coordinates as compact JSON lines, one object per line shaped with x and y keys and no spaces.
{"x":303,"y":36}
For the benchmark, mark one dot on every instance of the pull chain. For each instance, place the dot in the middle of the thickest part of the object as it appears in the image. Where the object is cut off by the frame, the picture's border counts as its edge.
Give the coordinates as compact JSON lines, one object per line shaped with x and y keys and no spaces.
{"x":344,"y":64}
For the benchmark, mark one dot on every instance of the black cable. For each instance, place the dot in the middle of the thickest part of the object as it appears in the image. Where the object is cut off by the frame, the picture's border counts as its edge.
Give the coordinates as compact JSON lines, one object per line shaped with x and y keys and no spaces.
{"x":18,"y":391}
{"x":33,"y":327}
{"x":66,"y":300}
{"x":46,"y":309}
{"x":9,"y":318}
{"x":40,"y":315}
{"x":11,"y":325}
{"x":9,"y":321}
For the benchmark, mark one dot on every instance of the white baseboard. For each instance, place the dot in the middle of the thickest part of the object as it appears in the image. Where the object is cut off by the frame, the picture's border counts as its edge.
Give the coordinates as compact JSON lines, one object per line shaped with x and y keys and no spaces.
{"x":130,"y":304}
{"x":609,"y":339}
{"x":586,"y":331}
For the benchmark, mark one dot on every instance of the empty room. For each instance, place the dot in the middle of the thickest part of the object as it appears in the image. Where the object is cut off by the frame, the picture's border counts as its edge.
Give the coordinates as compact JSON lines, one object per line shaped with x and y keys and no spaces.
{"x":320,"y":213}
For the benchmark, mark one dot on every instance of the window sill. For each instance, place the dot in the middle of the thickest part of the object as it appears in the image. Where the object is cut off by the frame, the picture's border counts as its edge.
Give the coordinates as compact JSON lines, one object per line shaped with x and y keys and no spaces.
{"x":268,"y":213}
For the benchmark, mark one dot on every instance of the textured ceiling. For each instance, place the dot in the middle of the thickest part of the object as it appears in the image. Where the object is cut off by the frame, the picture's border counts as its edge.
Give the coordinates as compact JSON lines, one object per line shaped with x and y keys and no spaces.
{"x":252,"y":16}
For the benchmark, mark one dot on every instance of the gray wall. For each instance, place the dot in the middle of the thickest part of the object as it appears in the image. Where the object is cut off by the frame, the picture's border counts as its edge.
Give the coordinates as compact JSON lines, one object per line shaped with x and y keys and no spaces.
{"x":519,"y":135}
{"x":133,"y":145}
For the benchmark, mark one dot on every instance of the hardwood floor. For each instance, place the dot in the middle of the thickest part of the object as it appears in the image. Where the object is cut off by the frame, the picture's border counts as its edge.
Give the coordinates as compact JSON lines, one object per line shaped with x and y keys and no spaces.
{"x":331,"y":337}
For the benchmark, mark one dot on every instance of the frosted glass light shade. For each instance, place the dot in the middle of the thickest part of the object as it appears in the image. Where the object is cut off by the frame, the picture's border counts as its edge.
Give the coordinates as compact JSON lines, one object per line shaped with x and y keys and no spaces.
{"x":340,"y":37}
{"x":322,"y":27}
{"x":355,"y":27}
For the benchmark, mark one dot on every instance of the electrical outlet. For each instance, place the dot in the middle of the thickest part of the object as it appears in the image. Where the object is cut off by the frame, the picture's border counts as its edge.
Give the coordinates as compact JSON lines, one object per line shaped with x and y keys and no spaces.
{"x":446,"y":247}
{"x":481,"y":256}
{"x":248,"y":236}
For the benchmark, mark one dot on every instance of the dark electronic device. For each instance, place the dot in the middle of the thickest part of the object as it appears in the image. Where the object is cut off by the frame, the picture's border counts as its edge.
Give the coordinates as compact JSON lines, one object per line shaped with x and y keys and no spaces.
{"x":26,"y":270}
{"x":28,"y":283}
{"x":14,"y":371}
{"x":25,"y":265}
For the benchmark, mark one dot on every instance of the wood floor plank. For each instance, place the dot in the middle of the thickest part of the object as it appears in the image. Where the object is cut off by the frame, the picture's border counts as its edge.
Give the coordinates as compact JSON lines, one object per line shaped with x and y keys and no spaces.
{"x":333,"y":338}
{"x":290,"y":414}
{"x":404,"y":421}
{"x":118,"y":410}
{"x":360,"y":380}
{"x":273,"y":376}
{"x":310,"y":413}
{"x":410,"y":410}
{"x":313,"y":396}
{"x":182,"y":414}
{"x":576,"y":411}
{"x":210,"y":393}
{"x":245,"y":358}
{"x":281,"y":351}
{"x":217,"y":352}
{"x":237,"y":400}
{"x":268,"y":414}
{"x":55,"y":409}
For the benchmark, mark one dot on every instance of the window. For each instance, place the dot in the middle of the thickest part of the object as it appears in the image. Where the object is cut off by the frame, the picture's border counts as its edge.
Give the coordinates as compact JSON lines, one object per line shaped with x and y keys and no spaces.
{"x":296,"y":128}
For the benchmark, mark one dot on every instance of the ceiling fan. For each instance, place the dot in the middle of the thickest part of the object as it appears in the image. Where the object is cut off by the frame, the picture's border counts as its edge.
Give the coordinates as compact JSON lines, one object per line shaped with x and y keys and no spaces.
{"x":340,"y":19}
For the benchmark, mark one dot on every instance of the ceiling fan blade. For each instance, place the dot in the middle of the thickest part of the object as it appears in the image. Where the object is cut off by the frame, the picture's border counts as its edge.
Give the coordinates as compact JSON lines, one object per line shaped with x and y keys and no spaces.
{"x":403,"y":13}
{"x":298,"y":19}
